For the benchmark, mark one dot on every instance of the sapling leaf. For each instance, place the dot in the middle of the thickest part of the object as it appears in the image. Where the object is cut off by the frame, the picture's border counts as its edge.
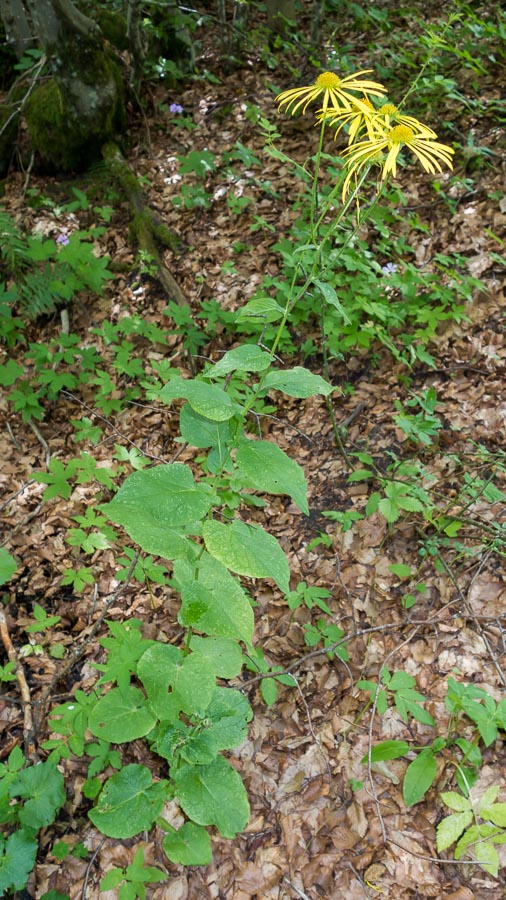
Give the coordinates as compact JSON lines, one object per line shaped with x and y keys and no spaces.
{"x":246,"y":358}
{"x":213,"y":795}
{"x":489,"y":797}
{"x":265,"y":467}
{"x":189,"y":846}
{"x":456,"y":801}
{"x":487,"y":856}
{"x":17,"y":859}
{"x":419,"y":776}
{"x":401,"y":570}
{"x":261,"y":308}
{"x":43,"y":787}
{"x":8,"y":566}
{"x":137,"y":871}
{"x":122,"y":715}
{"x":495,"y":814}
{"x":201,"y":432}
{"x":297,"y":382}
{"x":449,"y":830}
{"x":128,"y":803}
{"x":269,"y":691}
{"x":206,"y":399}
{"x":247,"y":550}
{"x":387,"y":750}
{"x":159,"y":506}
{"x":190,"y":678}
{"x":215,"y":604}
{"x":223,"y":654}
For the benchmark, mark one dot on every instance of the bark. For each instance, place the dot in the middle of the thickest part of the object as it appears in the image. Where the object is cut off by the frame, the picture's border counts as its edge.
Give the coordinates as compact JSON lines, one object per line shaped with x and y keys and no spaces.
{"x":151,"y":234}
{"x":70,"y":116}
{"x":17,"y":26}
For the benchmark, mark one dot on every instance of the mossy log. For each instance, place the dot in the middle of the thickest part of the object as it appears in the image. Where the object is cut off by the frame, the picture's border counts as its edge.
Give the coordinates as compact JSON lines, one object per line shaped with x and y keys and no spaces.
{"x":151,"y":234}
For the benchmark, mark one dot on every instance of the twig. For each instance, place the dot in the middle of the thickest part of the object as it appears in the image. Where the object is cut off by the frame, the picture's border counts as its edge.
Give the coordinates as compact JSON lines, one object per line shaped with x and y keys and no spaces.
{"x":79,"y":651}
{"x":359,"y":878}
{"x":41,"y":441}
{"x":88,"y":869}
{"x":296,"y":889}
{"x":110,"y":425}
{"x":469,"y":614}
{"x":315,"y":737}
{"x":28,"y":732}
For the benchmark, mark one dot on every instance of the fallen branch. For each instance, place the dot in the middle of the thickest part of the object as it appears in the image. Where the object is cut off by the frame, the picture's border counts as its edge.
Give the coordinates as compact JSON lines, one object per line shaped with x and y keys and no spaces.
{"x":28,"y":732}
{"x":148,"y":230}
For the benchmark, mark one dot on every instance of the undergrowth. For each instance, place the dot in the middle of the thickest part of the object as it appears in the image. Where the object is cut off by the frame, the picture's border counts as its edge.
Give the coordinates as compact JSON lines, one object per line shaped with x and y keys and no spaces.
{"x":348,"y":282}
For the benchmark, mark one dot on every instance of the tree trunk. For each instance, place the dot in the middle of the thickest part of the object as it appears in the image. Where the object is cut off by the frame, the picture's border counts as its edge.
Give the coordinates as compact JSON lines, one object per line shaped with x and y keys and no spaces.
{"x":70,"y":115}
{"x":17,"y":27}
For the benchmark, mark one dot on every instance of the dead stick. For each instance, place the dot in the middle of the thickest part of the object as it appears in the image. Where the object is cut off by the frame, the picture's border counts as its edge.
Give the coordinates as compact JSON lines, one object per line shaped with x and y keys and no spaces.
{"x":23,"y":688}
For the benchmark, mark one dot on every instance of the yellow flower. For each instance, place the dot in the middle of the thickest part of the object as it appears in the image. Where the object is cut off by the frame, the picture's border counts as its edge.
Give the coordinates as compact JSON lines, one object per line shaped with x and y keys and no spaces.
{"x":388,"y":115}
{"x":359,"y":119}
{"x":335,"y":90}
{"x":429,"y":153}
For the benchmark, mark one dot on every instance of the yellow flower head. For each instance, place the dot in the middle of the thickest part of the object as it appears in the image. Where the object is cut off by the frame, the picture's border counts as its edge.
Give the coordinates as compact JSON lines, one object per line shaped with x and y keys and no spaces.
{"x":335,"y":90}
{"x":388,"y":116}
{"x":358,"y":119}
{"x":429,"y":153}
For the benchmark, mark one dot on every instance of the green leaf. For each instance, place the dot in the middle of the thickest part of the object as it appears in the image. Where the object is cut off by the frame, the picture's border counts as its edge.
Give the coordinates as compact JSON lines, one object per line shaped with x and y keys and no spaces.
{"x":331,"y":298}
{"x":206,"y":399}
{"x":122,"y":715}
{"x":269,"y":691}
{"x":191,"y":679}
{"x":297,"y":382}
{"x":112,"y":879}
{"x":456,"y":801}
{"x":495,"y":813}
{"x":487,"y":856}
{"x":261,"y":308}
{"x":189,"y":846}
{"x":266,"y":467}
{"x":10,"y":372}
{"x":44,"y":789}
{"x":228,"y":715}
{"x":129,"y":803}
{"x":400,"y":680}
{"x":213,"y":795}
{"x":246,"y":358}
{"x":215,"y":603}
{"x":248,"y":550}
{"x":474,"y":834}
{"x":387,"y":750}
{"x":158,"y":506}
{"x":201,"y":432}
{"x":223,"y":654}
{"x":389,"y":509}
{"x":17,"y":859}
{"x":138,"y":872}
{"x":449,"y":830}
{"x":360,"y":475}
{"x":8,"y":566}
{"x":419,"y":776}
{"x":401,"y":570}
{"x":489,"y":797}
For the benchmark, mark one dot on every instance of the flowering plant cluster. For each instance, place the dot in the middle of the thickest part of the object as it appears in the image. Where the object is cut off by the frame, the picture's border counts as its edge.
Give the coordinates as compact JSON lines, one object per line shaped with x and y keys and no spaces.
{"x":376,"y":135}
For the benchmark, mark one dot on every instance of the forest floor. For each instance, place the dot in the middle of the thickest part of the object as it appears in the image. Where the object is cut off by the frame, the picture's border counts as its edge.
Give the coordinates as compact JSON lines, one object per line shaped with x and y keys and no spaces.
{"x":310,"y":835}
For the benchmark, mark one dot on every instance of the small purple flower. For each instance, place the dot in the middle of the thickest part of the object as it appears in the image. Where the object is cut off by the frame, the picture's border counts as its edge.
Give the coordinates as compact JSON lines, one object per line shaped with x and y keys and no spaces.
{"x":63,"y":239}
{"x":389,"y":269}
{"x":175,"y":109}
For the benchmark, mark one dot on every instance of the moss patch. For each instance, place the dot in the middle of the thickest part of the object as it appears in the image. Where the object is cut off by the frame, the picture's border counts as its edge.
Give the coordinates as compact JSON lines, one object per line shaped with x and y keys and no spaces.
{"x":69,"y":121}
